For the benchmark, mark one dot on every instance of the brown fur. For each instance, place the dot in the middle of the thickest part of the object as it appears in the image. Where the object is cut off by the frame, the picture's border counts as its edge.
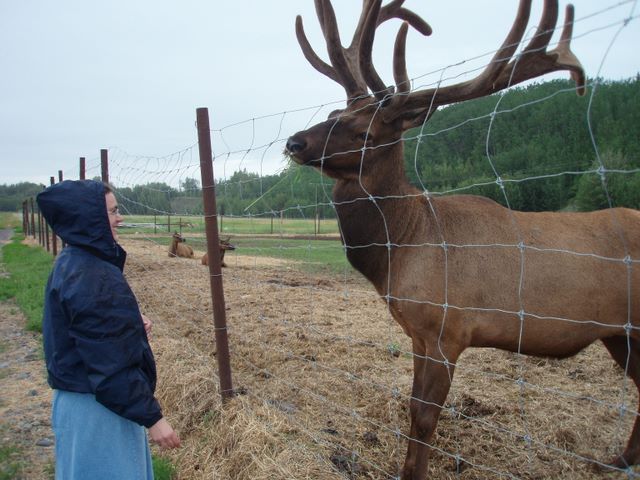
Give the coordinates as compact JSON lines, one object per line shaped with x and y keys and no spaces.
{"x":224,"y":246}
{"x":463,"y":271}
{"x":179,"y":248}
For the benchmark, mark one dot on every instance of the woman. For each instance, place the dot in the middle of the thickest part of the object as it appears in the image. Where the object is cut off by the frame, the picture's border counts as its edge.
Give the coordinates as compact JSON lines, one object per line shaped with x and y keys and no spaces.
{"x":98,"y":357}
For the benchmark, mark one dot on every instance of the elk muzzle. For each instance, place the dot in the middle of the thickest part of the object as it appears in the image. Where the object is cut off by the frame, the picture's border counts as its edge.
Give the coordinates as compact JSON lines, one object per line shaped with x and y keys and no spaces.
{"x":295,"y":145}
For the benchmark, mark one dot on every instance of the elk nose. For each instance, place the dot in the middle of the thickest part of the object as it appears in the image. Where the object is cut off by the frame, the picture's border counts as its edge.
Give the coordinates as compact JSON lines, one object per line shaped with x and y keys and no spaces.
{"x":295,"y":145}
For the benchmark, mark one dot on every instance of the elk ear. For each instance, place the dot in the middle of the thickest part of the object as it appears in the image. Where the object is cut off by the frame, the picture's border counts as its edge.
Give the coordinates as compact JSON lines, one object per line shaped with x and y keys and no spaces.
{"x":414,"y":118}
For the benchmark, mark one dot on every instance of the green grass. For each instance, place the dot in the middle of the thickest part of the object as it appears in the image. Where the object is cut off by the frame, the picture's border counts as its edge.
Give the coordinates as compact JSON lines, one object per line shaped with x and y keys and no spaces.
{"x":285,"y":226}
{"x":230,"y":225}
{"x":10,"y":220}
{"x":162,"y":469}
{"x":28,"y":269}
{"x":312,"y":255}
{"x":10,"y":462}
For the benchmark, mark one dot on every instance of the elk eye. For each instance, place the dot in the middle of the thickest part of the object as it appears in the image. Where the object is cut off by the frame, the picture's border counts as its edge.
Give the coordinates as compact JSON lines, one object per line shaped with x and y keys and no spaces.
{"x":364,"y":137}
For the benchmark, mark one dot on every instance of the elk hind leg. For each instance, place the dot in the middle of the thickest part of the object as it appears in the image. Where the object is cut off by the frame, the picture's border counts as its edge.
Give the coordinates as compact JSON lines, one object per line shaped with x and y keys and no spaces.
{"x":626,"y":352}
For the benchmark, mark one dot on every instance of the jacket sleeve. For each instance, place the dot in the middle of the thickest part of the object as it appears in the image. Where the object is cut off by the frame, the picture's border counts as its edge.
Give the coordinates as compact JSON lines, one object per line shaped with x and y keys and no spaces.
{"x":107,"y":328}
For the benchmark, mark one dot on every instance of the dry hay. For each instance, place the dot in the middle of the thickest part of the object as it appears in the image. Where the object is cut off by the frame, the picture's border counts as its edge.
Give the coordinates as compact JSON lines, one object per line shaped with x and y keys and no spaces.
{"x":323,"y":376}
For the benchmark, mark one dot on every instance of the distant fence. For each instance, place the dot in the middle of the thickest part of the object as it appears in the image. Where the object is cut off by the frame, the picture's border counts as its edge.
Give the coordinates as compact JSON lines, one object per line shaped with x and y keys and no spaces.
{"x":39,"y":229}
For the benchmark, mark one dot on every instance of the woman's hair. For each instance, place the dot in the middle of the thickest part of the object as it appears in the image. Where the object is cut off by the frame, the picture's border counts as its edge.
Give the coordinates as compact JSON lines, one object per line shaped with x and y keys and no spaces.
{"x":107,"y":188}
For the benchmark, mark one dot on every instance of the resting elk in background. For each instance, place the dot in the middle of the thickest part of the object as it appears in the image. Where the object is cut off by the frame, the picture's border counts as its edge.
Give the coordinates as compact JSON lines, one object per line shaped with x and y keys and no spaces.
{"x":179,"y":248}
{"x":224,"y":246}
{"x":463,"y":271}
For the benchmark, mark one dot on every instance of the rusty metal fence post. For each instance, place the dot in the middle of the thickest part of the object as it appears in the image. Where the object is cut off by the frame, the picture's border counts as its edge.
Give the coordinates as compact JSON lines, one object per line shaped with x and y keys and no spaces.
{"x":213,"y":251}
{"x":104,"y":165}
{"x":54,"y":237}
{"x":25,"y":218}
{"x":33,"y":220}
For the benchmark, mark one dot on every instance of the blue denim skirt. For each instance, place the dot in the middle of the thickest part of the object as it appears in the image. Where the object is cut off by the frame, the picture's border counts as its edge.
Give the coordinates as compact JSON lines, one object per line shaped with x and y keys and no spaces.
{"x":94,"y":443}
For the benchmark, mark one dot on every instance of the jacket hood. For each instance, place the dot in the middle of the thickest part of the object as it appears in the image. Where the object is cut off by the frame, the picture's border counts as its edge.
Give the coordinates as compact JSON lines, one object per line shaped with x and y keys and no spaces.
{"x":76,"y":210}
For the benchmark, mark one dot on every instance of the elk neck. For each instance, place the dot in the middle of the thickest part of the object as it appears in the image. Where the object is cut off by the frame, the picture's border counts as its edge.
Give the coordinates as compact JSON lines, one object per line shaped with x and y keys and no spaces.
{"x":379,"y":208}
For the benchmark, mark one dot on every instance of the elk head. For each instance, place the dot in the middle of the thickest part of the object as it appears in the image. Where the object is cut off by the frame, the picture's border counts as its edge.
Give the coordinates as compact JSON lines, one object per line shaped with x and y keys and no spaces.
{"x":225,"y":244}
{"x":361,"y":138}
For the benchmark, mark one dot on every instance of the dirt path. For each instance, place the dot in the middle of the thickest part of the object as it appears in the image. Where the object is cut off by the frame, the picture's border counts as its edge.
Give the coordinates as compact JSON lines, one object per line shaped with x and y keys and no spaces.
{"x":25,"y":397}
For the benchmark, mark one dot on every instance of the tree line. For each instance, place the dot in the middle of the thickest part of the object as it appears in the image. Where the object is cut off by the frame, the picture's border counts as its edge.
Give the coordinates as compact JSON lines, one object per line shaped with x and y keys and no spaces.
{"x":528,"y":148}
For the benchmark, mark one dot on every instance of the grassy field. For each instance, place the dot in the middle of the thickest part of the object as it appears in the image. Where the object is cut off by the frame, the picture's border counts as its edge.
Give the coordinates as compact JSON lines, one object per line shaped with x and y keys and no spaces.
{"x":27,"y":268}
{"x":292,"y":239}
{"x":231,"y":225}
{"x":10,"y":220}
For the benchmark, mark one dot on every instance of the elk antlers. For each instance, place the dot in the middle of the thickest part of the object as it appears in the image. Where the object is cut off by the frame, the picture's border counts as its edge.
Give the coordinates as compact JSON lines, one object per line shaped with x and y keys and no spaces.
{"x":352,"y":67}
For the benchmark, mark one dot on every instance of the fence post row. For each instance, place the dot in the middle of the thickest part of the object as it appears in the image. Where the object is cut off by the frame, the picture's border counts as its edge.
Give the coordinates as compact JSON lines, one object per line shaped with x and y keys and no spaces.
{"x":213,"y":240}
{"x":213,"y":251}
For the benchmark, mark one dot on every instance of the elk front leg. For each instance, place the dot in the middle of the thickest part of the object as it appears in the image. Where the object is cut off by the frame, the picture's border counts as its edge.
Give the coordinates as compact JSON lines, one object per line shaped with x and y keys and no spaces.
{"x":431,"y":382}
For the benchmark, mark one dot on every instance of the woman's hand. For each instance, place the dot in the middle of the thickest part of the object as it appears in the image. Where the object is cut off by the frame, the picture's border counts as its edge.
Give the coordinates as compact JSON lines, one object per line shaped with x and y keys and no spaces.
{"x":148,"y":325}
{"x":163,"y":435}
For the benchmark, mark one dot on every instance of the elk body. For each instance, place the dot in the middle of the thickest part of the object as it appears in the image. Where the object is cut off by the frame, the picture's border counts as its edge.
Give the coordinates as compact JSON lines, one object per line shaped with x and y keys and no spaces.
{"x":179,"y":248}
{"x":224,"y":246}
{"x":463,"y":271}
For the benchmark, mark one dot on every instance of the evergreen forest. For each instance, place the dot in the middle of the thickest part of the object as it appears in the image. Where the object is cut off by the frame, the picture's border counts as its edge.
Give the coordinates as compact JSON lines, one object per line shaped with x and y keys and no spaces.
{"x":533,"y":148}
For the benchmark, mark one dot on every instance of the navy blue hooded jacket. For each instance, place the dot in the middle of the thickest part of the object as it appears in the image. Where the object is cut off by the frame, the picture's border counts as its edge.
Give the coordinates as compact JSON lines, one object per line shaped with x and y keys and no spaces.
{"x":94,"y":338}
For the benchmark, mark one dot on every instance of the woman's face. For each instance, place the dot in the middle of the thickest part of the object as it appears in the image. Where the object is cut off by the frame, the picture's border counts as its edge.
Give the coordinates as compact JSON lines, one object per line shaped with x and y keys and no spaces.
{"x":113,"y":213}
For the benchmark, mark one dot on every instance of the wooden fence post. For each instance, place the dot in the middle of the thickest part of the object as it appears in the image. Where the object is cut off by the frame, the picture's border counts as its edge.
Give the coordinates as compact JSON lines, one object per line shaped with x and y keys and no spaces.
{"x":213,"y":251}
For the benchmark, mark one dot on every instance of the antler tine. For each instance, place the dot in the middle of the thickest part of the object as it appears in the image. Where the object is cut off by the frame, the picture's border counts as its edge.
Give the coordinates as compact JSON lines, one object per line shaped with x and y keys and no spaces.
{"x":502,"y":57}
{"x":545,"y":29}
{"x":536,"y":61}
{"x":394,"y":9}
{"x":352,"y":67}
{"x":566,"y":57}
{"x":342,"y":70}
{"x":308,"y":52}
{"x":378,"y":15}
{"x":503,"y":71}
{"x":337,"y":52}
{"x":400,"y":75}
{"x":365,"y":50}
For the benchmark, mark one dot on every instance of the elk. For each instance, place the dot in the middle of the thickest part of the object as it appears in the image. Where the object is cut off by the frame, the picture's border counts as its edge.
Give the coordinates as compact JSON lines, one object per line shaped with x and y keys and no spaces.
{"x":224,"y":246}
{"x":462,"y":271}
{"x":179,"y":248}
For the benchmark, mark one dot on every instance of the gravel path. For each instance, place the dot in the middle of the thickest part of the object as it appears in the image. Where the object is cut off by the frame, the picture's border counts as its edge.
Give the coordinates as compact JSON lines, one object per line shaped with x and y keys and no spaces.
{"x":5,"y":235}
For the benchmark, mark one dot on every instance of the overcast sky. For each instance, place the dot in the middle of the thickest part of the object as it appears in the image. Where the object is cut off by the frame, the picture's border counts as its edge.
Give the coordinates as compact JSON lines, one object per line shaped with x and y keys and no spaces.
{"x":77,"y":76}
